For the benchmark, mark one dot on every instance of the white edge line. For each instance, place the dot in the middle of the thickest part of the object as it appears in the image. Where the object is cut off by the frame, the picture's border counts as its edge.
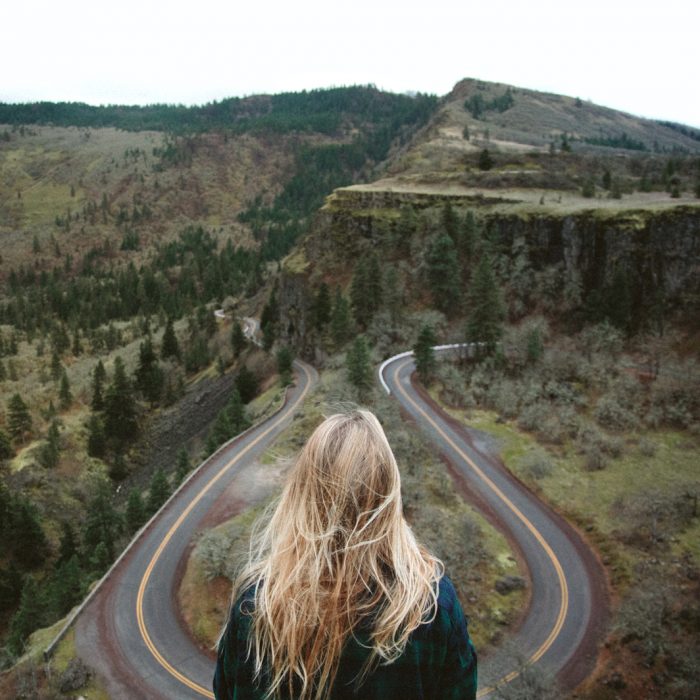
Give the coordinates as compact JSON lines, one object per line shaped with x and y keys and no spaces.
{"x":48,"y":652}
{"x":408,"y":353}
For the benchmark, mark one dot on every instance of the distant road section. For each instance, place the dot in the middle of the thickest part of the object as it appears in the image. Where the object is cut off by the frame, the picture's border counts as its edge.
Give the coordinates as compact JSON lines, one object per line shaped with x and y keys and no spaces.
{"x":568,"y":606}
{"x":131,"y":633}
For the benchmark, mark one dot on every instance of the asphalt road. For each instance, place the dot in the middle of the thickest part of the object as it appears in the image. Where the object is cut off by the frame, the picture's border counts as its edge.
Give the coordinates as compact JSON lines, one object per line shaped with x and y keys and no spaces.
{"x":131,"y":632}
{"x":568,"y":603}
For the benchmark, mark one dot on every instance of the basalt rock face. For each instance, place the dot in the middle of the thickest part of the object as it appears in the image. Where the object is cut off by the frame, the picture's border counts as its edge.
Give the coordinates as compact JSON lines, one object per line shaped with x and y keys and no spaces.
{"x":648,"y":256}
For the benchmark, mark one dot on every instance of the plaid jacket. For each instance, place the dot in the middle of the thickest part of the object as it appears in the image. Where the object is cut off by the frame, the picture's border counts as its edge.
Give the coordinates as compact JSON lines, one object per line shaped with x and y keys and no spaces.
{"x":439,"y":662}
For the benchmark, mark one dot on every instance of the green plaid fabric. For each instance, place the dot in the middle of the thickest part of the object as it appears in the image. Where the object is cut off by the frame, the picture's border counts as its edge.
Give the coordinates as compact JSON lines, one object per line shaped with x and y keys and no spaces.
{"x":439,"y":662}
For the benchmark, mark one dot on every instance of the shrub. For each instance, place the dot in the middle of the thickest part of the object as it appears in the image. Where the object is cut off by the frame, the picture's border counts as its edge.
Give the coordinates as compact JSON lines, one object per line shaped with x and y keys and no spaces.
{"x":647,"y":447}
{"x":536,"y":464}
{"x":610,"y":414}
{"x":594,"y":458}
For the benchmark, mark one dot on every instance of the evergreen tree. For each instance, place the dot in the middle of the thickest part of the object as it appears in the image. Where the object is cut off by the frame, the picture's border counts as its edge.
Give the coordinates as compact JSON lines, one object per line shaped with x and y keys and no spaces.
{"x":486,"y":310}
{"x":424,"y":354}
{"x":468,"y":240}
{"x":238,"y":339}
{"x":98,"y":379}
{"x":361,"y":304}
{"x":97,"y":441}
{"x":322,"y":307}
{"x":10,"y":586}
{"x":23,"y":533}
{"x":374,"y":283}
{"x":118,"y":470}
{"x":68,"y":546}
{"x":269,"y":320}
{"x":3,"y":371}
{"x":340,"y":320}
{"x":485,"y":160}
{"x":236,"y":413}
{"x":77,"y":348}
{"x":6,"y":451}
{"x":221,"y":430}
{"x":444,"y":274}
{"x":357,"y":361}
{"x":247,"y":384}
{"x":51,"y":449}
{"x":135,"y":511}
{"x":102,"y":521}
{"x":120,"y":410}
{"x":19,"y":422}
{"x":170,"y":346}
{"x":65,"y":397}
{"x":149,"y":374}
{"x":449,"y":222}
{"x":183,"y":460}
{"x":29,"y":616}
{"x":99,"y":559}
{"x":285,"y":358}
{"x":66,"y":587}
{"x":158,"y":492}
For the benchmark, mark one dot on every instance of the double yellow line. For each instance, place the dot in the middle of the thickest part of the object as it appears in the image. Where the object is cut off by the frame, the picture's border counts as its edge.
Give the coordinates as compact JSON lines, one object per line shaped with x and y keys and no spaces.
{"x":143,"y":629}
{"x":564,"y":606}
{"x":205,"y":692}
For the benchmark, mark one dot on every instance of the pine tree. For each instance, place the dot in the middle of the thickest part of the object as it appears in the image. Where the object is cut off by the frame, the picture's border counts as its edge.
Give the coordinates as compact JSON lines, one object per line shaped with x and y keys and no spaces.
{"x":285,"y":357}
{"x":468,"y":239}
{"x":170,"y":346}
{"x":486,"y":310}
{"x":149,"y":374}
{"x":135,"y":511}
{"x":77,"y":348}
{"x":51,"y":449}
{"x":99,"y":559}
{"x":65,"y":397}
{"x":449,"y":222}
{"x":183,"y":460}
{"x":28,"y":617}
{"x":238,"y":339}
{"x":68,"y":545}
{"x":19,"y":422}
{"x":424,"y":354}
{"x":158,"y":492}
{"x":269,"y":320}
{"x":247,"y":384}
{"x":236,"y":413}
{"x":98,"y":379}
{"x":221,"y":430}
{"x":6,"y":451}
{"x":485,"y":160}
{"x":357,"y":361}
{"x":340,"y":320}
{"x":102,"y":522}
{"x":444,"y":274}
{"x":97,"y":441}
{"x":120,"y":410}
{"x":56,"y":367}
{"x":322,"y":307}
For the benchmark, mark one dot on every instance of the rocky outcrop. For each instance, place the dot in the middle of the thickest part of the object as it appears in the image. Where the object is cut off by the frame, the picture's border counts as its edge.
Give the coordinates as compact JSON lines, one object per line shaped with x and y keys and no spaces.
{"x":650,"y":253}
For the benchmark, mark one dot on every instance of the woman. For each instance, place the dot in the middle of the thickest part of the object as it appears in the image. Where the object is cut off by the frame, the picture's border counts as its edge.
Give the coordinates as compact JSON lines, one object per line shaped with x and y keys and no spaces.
{"x":338,"y":599}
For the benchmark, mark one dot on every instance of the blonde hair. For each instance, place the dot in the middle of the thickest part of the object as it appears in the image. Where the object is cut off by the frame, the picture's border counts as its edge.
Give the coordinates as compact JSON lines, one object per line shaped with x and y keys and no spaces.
{"x":335,"y":554}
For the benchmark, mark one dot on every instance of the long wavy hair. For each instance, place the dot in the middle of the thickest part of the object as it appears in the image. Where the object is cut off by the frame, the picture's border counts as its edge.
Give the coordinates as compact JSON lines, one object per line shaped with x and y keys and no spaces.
{"x":336,"y":554}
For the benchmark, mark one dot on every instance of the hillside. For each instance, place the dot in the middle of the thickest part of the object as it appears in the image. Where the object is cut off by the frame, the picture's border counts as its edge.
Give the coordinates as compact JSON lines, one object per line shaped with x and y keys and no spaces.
{"x":562,"y":235}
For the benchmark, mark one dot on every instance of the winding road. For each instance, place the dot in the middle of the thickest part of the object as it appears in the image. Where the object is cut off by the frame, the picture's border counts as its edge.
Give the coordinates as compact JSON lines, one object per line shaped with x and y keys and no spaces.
{"x":131,"y":632}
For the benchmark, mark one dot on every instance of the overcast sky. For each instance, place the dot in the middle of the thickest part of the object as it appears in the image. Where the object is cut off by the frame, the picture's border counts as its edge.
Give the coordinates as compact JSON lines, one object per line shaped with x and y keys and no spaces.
{"x":641,"y":57}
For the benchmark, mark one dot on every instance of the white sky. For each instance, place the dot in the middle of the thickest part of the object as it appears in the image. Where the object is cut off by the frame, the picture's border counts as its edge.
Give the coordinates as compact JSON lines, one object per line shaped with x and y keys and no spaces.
{"x":642,"y":57}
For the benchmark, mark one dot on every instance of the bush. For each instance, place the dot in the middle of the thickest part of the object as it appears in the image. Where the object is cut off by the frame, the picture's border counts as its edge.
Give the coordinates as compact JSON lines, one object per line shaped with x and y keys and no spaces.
{"x":610,"y":414}
{"x":536,"y":464}
{"x":594,"y":458}
{"x":647,"y":447}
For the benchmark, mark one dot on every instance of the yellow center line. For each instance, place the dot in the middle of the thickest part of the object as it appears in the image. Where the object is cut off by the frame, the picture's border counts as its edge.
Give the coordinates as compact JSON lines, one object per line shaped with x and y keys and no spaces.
{"x":164,"y":542}
{"x":563,"y":608}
